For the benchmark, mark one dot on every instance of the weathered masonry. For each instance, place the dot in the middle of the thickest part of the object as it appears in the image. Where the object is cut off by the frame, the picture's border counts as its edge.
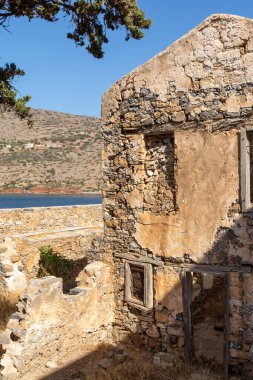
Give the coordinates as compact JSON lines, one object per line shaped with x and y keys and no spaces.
{"x":177,"y":195}
{"x":42,"y":321}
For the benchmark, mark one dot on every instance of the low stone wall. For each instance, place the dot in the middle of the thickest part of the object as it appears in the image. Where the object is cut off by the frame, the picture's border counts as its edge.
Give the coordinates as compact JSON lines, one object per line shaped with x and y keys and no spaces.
{"x":74,"y":232}
{"x":49,"y":324}
{"x":28,"y":220}
{"x":76,"y":245}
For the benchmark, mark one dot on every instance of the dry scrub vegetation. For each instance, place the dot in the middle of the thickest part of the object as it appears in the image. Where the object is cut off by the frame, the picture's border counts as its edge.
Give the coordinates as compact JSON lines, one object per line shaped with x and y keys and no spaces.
{"x":180,"y":370}
{"x":7,"y":305}
{"x":63,"y":152}
{"x":137,"y":364}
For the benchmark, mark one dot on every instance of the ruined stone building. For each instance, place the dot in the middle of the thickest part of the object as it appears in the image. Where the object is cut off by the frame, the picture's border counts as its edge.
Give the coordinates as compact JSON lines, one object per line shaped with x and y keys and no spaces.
{"x":174,"y":270}
{"x":54,"y":319}
{"x":177,"y":194}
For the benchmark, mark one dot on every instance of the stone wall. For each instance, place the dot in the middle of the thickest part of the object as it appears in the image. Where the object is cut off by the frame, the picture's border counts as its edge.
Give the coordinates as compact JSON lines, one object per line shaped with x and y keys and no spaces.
{"x":171,"y":207}
{"x":49,"y":325}
{"x":46,"y":310}
{"x":171,"y":184}
{"x":74,"y":232}
{"x":29,"y":220}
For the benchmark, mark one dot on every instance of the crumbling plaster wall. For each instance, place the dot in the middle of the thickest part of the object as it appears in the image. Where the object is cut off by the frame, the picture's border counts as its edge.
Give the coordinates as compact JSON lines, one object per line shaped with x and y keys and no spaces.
{"x":149,"y":101}
{"x":199,"y":90}
{"x":207,"y":185}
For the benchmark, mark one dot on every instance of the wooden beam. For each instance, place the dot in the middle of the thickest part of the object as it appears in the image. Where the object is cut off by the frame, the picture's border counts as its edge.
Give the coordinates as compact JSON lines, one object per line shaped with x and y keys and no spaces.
{"x":211,"y":268}
{"x":198,"y":268}
{"x":187,"y":289}
{"x":226,"y":325}
{"x":139,"y":258}
{"x":243,"y":169}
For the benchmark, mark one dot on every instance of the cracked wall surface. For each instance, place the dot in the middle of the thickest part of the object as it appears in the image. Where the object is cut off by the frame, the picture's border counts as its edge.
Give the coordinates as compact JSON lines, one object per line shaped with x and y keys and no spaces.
{"x":199,"y":92}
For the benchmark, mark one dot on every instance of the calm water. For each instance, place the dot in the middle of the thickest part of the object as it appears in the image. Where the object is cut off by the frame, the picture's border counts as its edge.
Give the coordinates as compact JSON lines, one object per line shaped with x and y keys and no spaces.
{"x":47,"y":200}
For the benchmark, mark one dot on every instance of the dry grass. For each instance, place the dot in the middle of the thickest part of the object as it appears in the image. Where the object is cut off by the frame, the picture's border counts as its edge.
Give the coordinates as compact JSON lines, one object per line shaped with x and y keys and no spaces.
{"x":208,"y":367}
{"x":7,"y":307}
{"x":139,"y":366}
{"x":79,"y":145}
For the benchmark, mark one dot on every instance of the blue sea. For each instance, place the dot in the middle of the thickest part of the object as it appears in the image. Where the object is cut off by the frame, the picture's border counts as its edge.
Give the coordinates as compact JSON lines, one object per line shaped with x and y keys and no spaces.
{"x":47,"y":200}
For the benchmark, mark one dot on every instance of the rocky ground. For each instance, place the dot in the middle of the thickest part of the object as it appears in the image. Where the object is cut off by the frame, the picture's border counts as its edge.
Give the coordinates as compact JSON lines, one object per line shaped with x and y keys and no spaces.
{"x":121,"y":363}
{"x":61,"y":153}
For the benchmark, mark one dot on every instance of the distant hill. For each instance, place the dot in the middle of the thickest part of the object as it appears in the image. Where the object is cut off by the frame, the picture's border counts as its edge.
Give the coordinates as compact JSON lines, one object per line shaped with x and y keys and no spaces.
{"x":61,"y":153}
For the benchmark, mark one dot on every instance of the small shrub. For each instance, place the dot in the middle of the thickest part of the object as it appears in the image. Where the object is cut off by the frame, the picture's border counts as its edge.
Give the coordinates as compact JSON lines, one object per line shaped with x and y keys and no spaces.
{"x":51,"y":171}
{"x":28,"y":186}
{"x":52,"y":263}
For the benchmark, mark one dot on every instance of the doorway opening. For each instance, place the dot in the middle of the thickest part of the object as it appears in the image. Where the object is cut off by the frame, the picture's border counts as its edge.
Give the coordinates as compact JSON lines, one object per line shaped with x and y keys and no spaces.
{"x":205,"y":296}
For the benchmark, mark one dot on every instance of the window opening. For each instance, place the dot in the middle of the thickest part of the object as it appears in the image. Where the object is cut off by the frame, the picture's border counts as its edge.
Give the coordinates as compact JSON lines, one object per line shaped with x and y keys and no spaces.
{"x":139,"y":285}
{"x":137,"y":282}
{"x":159,"y":167}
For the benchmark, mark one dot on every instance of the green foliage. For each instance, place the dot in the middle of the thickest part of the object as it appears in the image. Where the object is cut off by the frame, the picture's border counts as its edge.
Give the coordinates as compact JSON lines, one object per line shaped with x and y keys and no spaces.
{"x":51,"y":263}
{"x":8,"y":94}
{"x":90,"y":20}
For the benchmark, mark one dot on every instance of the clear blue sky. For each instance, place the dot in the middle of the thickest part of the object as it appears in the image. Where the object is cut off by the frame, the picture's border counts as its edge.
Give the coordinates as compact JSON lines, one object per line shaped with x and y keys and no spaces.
{"x":63,"y":77}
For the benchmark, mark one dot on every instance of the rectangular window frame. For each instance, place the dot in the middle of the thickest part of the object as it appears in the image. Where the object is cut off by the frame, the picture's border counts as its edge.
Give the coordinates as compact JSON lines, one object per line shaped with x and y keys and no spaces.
{"x":246,"y":203}
{"x":147,"y":305}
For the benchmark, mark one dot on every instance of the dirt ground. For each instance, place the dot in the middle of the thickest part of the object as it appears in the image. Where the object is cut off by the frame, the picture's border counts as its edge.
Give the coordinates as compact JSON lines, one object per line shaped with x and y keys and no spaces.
{"x":110,"y":363}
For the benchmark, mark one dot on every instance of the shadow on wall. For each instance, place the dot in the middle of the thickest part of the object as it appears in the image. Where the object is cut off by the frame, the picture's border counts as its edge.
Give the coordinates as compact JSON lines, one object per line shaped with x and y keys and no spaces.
{"x":219,"y":315}
{"x":59,"y":266}
{"x":8,"y":301}
{"x":7,"y":307}
{"x":162,"y":330}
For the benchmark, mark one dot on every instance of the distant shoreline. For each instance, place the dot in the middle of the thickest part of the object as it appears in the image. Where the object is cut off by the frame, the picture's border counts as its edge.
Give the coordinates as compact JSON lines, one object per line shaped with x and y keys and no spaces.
{"x":32,"y":200}
{"x":49,"y":191}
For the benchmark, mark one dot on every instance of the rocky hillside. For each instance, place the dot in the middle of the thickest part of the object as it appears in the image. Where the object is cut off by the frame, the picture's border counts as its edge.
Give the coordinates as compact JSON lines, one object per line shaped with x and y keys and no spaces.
{"x":61,"y":153}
